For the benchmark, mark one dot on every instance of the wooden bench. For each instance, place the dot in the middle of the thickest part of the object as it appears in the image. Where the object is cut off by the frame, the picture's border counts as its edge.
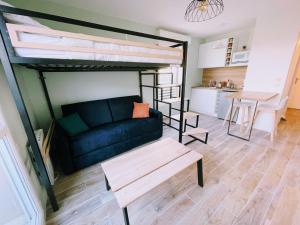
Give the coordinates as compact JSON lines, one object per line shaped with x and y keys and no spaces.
{"x":133,"y":174}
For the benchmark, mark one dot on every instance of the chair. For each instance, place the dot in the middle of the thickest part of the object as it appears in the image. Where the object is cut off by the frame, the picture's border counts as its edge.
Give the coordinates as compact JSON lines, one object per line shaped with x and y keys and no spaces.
{"x":276,"y":111}
{"x":245,"y":107}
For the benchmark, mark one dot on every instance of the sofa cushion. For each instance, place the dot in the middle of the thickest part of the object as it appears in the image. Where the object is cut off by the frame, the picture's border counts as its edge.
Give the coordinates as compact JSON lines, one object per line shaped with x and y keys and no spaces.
{"x":97,"y":138}
{"x":73,"y":124}
{"x":93,"y":113}
{"x":122,"y":107}
{"x":140,"y":110}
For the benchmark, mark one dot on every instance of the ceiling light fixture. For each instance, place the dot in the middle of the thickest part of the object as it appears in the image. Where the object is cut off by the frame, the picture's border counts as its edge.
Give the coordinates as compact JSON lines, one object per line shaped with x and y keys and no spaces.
{"x":202,"y":10}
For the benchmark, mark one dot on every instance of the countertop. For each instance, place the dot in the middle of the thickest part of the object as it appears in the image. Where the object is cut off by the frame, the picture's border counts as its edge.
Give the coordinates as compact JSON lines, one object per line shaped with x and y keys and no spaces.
{"x":218,"y":89}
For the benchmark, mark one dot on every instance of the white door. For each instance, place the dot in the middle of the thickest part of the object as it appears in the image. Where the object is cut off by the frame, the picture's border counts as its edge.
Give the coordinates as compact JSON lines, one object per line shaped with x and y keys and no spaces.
{"x":19,"y":204}
{"x":294,"y":101}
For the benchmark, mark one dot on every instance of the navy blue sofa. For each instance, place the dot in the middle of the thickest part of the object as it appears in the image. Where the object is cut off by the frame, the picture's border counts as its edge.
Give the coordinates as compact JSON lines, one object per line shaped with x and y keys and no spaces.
{"x":111,"y":131}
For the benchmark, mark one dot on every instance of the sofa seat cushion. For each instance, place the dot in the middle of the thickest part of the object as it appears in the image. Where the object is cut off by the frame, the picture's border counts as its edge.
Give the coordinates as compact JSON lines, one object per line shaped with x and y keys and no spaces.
{"x":96,"y":138}
{"x":112,"y":133}
{"x":137,"y":127}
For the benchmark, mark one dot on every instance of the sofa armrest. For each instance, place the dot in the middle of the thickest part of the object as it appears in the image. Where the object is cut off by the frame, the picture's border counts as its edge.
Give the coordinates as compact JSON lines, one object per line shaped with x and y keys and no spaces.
{"x":155,"y":113}
{"x":63,"y":152}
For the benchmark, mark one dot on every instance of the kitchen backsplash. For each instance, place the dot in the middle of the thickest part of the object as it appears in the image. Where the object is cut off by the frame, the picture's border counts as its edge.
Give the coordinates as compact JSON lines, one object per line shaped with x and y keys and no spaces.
{"x":235,"y":74}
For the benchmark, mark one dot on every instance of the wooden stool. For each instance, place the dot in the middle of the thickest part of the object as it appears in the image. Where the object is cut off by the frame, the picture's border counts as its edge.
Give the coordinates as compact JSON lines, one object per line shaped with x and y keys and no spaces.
{"x":245,"y":107}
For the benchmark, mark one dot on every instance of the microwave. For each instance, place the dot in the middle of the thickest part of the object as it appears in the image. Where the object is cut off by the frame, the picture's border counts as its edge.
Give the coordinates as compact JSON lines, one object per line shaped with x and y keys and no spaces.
{"x":240,"y":57}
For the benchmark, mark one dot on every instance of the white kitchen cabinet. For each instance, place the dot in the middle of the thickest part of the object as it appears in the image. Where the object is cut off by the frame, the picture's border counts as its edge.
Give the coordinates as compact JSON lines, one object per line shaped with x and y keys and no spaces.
{"x":213,"y":54}
{"x":204,"y":100}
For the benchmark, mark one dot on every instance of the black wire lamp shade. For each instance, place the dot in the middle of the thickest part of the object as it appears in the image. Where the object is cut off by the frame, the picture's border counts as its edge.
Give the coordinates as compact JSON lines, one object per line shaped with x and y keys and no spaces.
{"x":202,"y":10}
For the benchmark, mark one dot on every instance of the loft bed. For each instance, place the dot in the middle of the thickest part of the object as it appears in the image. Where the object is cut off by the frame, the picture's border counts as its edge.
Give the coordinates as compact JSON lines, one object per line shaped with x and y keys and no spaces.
{"x":28,"y":43}
{"x":39,"y":47}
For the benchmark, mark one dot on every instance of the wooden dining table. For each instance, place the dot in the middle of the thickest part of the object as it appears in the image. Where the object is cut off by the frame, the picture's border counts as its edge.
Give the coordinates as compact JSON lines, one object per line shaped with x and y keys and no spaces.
{"x":254,"y":96}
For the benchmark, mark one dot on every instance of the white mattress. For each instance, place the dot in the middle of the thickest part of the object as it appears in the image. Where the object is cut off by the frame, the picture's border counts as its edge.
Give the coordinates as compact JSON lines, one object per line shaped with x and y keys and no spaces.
{"x":74,"y":42}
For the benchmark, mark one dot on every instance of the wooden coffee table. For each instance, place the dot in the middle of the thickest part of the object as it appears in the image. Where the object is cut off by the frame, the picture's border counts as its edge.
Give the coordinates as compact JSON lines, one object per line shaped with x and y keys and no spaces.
{"x":133,"y":174}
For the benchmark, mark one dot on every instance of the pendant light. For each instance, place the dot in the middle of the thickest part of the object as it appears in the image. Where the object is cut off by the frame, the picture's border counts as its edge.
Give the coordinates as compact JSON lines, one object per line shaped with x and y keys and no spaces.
{"x":202,"y":10}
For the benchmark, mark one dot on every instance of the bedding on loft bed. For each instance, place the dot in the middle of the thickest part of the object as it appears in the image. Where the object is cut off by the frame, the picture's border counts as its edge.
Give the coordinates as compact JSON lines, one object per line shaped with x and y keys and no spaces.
{"x":31,"y":39}
{"x":40,"y":42}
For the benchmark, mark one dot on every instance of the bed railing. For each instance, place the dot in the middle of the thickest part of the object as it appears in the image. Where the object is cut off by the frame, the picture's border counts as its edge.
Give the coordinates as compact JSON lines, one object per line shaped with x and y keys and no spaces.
{"x":24,"y":12}
{"x":156,"y":51}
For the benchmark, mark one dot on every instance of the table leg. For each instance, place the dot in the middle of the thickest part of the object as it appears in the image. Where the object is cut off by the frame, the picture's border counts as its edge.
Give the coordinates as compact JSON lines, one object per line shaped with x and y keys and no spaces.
{"x":125,"y":214}
{"x":206,"y":138}
{"x":229,"y":123}
{"x":170,"y":114}
{"x":106,"y":183}
{"x":252,"y":119}
{"x":200,"y":173}
{"x":250,"y":126}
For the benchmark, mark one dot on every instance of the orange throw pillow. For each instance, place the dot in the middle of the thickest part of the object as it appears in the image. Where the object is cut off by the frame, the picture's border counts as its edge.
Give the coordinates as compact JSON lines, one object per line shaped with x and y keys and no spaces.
{"x":140,"y":110}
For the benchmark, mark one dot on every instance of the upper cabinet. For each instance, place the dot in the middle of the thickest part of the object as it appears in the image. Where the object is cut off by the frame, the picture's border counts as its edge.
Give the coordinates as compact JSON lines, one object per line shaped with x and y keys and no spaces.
{"x":216,"y":53}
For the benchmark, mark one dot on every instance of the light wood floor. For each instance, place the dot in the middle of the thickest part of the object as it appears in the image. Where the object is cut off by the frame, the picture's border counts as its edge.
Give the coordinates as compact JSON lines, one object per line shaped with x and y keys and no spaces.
{"x":246,"y":183}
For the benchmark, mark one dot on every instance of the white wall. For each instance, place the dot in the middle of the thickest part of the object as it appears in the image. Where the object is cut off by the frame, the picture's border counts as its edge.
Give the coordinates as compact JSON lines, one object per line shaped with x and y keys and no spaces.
{"x":10,"y":207}
{"x":274,"y":41}
{"x":67,"y":88}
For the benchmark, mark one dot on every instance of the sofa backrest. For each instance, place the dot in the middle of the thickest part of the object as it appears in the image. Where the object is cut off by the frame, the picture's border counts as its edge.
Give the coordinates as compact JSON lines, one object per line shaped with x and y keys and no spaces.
{"x":99,"y":112}
{"x":122,"y":107}
{"x":93,"y":113}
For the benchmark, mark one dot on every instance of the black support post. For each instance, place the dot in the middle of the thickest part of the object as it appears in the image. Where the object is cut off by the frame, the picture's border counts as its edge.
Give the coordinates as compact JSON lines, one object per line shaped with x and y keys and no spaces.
{"x":184,"y":65}
{"x":106,"y":183}
{"x":156,"y":89}
{"x":154,"y":93}
{"x":125,"y":215}
{"x":45,"y":89}
{"x":200,"y":173}
{"x":14,"y":87}
{"x":140,"y":83}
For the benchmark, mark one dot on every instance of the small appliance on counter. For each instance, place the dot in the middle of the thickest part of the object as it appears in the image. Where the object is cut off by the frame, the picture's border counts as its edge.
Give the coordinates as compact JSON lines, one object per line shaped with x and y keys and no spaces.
{"x":212,"y":83}
{"x":230,"y":84}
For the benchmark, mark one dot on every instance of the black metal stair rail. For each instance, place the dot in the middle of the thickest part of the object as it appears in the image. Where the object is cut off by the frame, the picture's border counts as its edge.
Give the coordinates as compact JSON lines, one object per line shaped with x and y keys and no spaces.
{"x":156,"y":100}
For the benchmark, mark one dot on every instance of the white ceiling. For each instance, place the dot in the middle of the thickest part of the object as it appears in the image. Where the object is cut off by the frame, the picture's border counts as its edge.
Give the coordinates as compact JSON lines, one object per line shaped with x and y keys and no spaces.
{"x":169,"y":14}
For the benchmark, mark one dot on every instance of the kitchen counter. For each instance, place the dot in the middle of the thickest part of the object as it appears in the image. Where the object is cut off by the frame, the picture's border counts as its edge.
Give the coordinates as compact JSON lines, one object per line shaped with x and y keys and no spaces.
{"x":210,"y":100}
{"x":218,"y":89}
{"x":204,"y":99}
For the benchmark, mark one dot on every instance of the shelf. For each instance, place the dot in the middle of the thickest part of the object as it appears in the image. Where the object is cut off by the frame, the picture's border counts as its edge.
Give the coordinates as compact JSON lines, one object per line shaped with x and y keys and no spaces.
{"x":194,"y":131}
{"x":238,"y":64}
{"x":167,"y":85}
{"x":173,"y":100}
{"x":186,"y":116}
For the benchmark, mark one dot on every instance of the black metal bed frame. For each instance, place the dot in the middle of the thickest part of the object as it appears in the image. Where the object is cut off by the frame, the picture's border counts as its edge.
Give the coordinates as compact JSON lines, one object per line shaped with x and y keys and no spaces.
{"x":9,"y":58}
